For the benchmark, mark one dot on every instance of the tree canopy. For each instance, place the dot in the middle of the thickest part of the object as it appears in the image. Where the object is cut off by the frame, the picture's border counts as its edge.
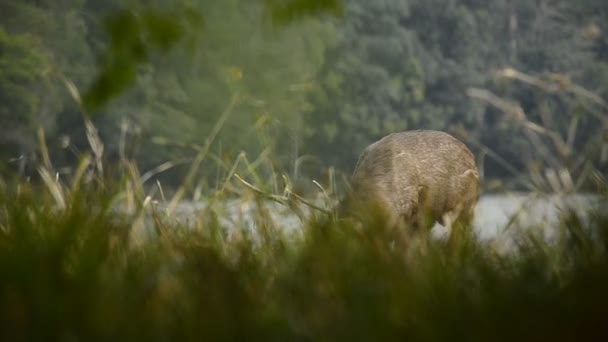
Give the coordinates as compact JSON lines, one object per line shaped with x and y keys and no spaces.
{"x":299,"y":78}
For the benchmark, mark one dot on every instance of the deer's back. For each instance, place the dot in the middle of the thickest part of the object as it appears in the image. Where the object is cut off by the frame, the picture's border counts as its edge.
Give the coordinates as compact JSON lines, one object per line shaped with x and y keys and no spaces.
{"x":406,"y":168}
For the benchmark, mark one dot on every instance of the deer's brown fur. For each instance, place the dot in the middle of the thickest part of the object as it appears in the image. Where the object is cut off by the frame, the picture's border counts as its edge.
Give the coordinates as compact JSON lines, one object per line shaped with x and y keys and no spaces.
{"x":418,"y":178}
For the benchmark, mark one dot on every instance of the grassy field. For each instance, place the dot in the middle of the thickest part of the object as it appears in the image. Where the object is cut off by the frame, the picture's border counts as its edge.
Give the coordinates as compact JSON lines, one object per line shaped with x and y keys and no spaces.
{"x":73,"y":268}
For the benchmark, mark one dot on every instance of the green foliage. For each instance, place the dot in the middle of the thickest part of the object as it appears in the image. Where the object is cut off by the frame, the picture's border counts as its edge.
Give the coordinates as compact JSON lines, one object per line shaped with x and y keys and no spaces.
{"x":409,"y":64}
{"x":77,"y":269}
{"x":20,"y":69}
{"x":55,"y":35}
{"x":287,"y":11}
{"x":134,"y":35}
{"x":267,"y":73}
{"x":370,"y":85}
{"x":313,"y":80}
{"x":166,"y":72}
{"x":22,"y":65}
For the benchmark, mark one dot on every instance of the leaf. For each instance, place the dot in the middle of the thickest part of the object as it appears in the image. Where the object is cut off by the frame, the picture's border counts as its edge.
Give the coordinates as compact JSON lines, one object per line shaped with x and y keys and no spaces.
{"x":133,"y":37}
{"x":286,"y":11}
{"x":164,"y":31}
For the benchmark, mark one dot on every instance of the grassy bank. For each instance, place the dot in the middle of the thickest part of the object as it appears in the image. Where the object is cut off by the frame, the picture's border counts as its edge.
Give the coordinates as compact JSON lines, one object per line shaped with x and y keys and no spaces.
{"x":72,"y":269}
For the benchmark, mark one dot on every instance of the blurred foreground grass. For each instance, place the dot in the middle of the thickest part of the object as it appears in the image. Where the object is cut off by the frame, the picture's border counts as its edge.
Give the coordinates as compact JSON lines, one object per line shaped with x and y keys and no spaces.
{"x":73,"y":268}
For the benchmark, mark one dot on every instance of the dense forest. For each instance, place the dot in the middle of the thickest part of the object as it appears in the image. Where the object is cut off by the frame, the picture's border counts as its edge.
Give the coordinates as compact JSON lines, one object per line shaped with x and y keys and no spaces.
{"x":522,"y":82}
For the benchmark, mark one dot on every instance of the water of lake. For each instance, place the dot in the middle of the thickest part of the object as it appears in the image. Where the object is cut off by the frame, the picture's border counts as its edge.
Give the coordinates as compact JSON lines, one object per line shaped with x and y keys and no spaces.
{"x":494,"y":213}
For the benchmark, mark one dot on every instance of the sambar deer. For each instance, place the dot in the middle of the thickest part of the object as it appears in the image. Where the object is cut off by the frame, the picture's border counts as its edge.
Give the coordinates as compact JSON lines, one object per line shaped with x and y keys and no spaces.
{"x":417,"y":178}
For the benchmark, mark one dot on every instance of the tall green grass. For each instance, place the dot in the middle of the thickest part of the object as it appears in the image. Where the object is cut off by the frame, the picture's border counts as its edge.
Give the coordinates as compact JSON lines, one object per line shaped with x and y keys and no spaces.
{"x":74,"y":268}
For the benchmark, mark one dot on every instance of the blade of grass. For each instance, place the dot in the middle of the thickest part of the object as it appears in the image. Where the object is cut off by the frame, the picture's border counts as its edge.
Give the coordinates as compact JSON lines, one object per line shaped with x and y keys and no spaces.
{"x":179,"y":195}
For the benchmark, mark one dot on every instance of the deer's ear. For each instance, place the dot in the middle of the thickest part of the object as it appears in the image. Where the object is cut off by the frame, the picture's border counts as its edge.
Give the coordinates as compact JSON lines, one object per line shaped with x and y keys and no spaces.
{"x":472,"y":173}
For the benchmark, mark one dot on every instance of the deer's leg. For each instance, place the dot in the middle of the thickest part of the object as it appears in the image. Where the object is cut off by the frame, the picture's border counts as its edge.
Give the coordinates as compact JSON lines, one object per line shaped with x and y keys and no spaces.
{"x":425,"y":215}
{"x":463,"y":193}
{"x":417,"y":216}
{"x":459,"y":224}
